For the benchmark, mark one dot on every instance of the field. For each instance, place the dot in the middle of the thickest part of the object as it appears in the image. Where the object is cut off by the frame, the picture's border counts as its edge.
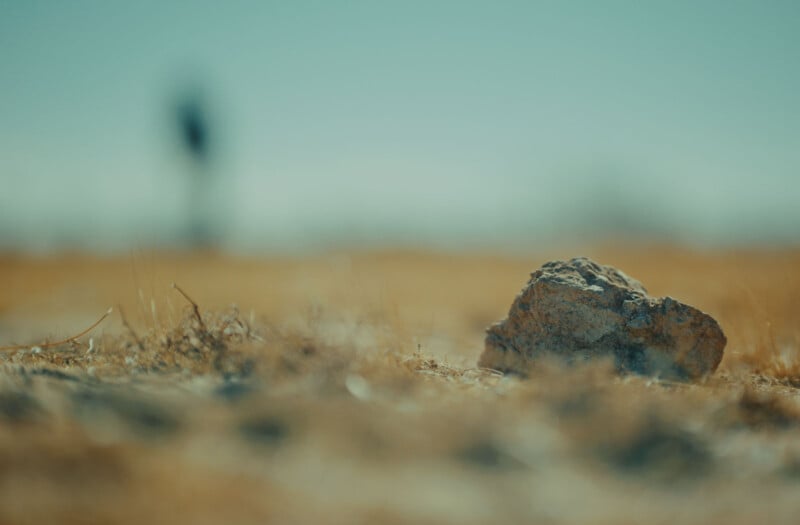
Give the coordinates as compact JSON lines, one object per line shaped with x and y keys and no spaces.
{"x":343,"y":388}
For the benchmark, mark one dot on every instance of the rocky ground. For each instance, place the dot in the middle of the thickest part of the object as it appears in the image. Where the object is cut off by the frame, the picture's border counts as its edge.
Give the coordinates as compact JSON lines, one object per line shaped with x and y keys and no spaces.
{"x":344,"y":388}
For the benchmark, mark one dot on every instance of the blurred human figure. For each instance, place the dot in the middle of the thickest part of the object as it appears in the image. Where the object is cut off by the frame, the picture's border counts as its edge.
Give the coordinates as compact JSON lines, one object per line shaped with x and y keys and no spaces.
{"x":191,"y":117}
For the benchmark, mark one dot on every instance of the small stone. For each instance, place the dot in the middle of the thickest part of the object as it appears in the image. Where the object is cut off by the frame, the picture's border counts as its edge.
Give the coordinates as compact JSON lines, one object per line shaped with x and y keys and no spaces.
{"x":580,"y":310}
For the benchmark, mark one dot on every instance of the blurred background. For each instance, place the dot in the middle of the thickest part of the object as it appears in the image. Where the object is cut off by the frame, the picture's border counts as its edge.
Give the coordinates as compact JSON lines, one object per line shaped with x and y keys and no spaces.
{"x":255,"y":126}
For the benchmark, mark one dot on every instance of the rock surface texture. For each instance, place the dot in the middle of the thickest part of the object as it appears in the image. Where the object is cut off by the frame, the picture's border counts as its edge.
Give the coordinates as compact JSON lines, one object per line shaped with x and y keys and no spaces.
{"x":579,"y":310}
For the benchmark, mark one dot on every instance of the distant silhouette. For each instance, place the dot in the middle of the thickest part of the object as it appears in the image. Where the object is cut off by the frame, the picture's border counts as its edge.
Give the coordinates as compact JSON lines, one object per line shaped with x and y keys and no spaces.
{"x":192,"y":122}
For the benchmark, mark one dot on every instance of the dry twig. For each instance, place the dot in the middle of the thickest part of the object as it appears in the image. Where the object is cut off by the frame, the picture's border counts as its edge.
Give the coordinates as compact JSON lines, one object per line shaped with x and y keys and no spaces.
{"x":195,"y":308}
{"x":72,"y":339}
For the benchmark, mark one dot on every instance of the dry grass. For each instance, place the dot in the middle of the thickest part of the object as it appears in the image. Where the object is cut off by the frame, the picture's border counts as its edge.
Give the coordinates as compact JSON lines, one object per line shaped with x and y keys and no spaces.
{"x":343,"y":389}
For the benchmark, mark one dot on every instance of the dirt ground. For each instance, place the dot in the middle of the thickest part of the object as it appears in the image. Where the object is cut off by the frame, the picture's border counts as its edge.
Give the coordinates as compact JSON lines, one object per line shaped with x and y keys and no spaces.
{"x":343,"y":388}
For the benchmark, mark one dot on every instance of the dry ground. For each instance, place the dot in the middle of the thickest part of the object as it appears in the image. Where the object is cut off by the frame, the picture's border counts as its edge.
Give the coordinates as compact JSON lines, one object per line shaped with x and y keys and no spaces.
{"x":343,"y":389}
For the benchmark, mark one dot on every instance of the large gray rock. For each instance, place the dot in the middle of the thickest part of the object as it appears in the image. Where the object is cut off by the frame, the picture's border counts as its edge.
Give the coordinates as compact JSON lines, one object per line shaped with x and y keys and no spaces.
{"x":580,"y":310}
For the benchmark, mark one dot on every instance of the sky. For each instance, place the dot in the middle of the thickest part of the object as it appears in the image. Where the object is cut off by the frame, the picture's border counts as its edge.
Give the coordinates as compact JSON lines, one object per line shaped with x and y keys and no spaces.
{"x":452,"y":123}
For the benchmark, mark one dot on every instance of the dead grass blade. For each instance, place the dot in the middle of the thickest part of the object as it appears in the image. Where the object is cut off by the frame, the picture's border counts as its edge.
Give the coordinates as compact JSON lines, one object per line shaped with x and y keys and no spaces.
{"x":50,"y":344}
{"x":195,"y":308}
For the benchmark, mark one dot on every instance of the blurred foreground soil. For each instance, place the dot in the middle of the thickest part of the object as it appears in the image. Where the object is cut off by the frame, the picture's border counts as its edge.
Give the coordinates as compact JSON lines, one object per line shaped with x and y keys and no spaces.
{"x":342,"y":388}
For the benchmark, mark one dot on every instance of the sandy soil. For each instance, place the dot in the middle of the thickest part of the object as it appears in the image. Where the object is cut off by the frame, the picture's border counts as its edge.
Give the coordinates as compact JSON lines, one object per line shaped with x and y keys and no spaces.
{"x":343,"y":388}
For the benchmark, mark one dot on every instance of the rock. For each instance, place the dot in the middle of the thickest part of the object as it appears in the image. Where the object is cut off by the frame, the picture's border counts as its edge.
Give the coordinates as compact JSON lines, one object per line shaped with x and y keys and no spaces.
{"x":581,"y":310}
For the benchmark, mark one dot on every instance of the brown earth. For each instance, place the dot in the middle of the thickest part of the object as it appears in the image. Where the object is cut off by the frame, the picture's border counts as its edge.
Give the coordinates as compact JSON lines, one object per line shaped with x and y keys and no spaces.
{"x":344,"y":389}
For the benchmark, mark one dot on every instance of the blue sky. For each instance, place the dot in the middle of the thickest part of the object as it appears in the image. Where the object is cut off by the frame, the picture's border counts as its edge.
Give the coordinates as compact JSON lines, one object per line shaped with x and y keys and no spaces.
{"x":442,"y":122}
